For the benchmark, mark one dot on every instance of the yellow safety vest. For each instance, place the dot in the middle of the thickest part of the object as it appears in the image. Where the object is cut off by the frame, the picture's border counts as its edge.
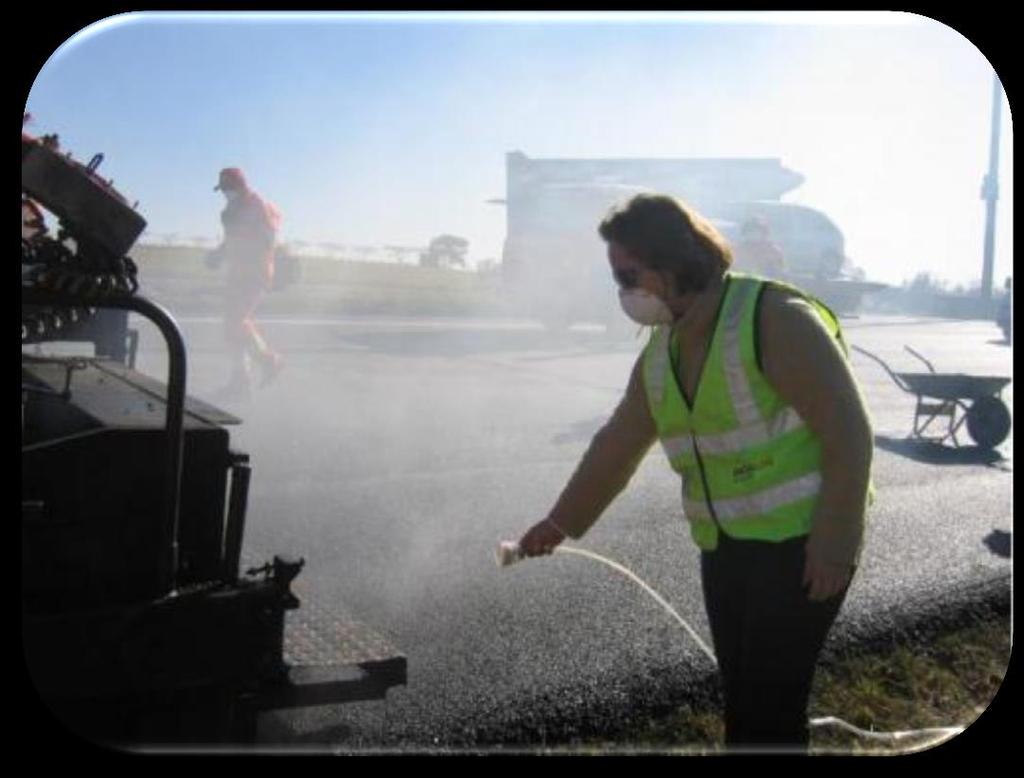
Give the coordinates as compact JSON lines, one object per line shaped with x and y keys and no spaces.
{"x":750,"y":466}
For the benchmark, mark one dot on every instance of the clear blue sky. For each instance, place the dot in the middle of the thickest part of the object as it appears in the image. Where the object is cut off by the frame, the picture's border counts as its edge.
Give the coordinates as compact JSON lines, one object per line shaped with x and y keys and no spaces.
{"x":390,"y":129}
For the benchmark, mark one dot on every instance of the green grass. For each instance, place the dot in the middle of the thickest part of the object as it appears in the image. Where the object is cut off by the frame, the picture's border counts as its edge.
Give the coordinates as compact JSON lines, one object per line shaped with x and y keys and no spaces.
{"x":938,"y":682}
{"x":177,"y":277}
{"x":946,"y":682}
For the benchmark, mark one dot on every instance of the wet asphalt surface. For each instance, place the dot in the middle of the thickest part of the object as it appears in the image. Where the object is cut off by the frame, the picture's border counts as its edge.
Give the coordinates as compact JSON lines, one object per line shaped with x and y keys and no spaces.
{"x":393,"y":454}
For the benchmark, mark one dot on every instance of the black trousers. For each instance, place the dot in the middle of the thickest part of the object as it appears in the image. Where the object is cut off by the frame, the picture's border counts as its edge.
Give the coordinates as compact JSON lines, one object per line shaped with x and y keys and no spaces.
{"x":767,"y":635}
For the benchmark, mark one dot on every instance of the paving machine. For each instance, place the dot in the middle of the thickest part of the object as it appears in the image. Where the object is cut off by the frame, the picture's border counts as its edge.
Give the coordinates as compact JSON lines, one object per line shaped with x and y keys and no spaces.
{"x":145,"y":622}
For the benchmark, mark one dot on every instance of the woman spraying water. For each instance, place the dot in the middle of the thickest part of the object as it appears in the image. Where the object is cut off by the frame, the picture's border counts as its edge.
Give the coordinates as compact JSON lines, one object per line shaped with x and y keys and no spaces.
{"x":745,"y":383}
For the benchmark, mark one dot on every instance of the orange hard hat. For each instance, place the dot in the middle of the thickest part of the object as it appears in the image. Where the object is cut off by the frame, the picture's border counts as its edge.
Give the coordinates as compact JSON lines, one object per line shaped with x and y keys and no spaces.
{"x":231,"y":178}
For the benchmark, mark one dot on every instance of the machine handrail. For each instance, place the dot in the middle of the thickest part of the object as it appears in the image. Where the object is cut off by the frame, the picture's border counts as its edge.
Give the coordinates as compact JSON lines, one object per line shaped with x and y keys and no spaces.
{"x":175,"y":417}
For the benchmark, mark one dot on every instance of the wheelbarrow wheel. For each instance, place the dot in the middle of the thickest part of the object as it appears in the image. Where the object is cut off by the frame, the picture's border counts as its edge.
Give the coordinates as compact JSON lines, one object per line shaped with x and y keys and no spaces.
{"x":988,"y":421}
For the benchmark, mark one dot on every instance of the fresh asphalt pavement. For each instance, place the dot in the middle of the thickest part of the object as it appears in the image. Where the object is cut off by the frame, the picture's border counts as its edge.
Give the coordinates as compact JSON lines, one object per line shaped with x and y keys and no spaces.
{"x":394,"y":453}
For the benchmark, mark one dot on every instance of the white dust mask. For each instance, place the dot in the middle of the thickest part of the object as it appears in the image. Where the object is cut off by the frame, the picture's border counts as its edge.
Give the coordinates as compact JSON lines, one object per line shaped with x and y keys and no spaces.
{"x":645,"y":308}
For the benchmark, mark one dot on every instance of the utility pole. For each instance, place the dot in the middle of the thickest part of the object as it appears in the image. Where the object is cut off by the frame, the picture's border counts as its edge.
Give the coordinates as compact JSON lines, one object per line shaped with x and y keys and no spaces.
{"x":990,"y":193}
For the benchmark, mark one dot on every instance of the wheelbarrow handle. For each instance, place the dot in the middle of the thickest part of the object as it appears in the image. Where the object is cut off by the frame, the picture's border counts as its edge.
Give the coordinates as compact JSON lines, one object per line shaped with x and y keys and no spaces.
{"x":899,"y":382}
{"x":929,"y":364}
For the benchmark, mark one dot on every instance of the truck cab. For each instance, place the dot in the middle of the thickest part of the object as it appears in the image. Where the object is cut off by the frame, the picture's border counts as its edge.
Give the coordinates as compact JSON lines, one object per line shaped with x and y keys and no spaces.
{"x":554,"y":262}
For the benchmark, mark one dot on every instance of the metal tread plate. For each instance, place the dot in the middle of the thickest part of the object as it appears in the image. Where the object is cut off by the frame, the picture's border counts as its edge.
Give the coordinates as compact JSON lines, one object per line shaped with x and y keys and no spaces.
{"x":319,"y":634}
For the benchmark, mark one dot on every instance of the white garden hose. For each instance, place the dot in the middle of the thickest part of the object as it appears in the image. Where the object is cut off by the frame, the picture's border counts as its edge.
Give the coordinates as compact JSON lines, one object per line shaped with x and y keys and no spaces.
{"x":509,"y":553}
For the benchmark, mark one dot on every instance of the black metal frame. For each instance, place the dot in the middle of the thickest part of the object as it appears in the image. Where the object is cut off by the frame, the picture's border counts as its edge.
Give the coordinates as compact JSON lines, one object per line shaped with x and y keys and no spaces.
{"x":282,"y":686}
{"x":176,"y":376}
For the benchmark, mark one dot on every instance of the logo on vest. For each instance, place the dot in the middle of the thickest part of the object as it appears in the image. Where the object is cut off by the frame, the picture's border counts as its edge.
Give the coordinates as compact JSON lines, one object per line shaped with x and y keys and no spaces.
{"x":747,"y":470}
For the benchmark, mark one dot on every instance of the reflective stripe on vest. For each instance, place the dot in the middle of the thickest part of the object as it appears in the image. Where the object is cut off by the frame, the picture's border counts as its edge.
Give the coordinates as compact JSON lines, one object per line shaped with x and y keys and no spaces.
{"x":756,"y":504}
{"x":743,"y":404}
{"x":656,"y":368}
{"x":783,"y":423}
{"x":741,"y":424}
{"x":753,"y":429}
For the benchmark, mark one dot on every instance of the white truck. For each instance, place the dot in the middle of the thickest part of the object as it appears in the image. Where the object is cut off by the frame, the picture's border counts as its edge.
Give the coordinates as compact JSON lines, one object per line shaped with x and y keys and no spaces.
{"x":554,"y":263}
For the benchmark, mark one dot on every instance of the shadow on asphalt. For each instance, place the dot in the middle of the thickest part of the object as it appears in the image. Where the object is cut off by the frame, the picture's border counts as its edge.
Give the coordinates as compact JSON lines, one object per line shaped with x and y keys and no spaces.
{"x":466,"y":342}
{"x":933,"y":453}
{"x":275,"y":731}
{"x":999,"y":542}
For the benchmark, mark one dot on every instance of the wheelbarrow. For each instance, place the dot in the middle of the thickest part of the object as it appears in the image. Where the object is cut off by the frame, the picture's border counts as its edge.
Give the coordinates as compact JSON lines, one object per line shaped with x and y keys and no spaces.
{"x":961,"y":400}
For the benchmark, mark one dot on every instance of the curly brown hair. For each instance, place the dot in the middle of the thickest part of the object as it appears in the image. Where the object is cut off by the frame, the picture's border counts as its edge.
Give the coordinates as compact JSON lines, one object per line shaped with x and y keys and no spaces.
{"x":666,"y":234}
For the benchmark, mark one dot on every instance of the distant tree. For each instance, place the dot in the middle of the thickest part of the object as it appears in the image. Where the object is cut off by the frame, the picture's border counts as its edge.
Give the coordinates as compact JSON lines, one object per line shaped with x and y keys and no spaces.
{"x":445,"y":251}
{"x":925,"y":283}
{"x":395,"y":252}
{"x":972,"y":289}
{"x":489,"y":265}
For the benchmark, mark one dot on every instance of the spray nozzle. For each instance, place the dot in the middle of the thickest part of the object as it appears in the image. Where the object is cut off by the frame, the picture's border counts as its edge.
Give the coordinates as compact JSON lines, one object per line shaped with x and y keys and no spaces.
{"x":508,"y":553}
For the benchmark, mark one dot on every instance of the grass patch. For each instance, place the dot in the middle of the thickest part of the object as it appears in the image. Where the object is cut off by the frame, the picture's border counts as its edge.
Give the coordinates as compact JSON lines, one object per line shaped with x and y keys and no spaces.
{"x":939,"y":681}
{"x":177,"y":277}
{"x":946,"y":682}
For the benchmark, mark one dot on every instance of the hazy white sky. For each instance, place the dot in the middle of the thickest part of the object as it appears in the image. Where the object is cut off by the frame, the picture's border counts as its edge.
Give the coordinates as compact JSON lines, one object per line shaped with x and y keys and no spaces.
{"x":392,"y":128}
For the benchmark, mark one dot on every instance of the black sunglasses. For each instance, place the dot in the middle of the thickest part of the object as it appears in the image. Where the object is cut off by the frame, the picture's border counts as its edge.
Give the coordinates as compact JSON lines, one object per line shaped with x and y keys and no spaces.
{"x":627,"y":279}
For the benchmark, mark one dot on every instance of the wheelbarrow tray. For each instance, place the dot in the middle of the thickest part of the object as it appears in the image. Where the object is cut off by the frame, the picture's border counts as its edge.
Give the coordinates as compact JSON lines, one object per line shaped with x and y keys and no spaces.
{"x":946,"y":396}
{"x":953,"y":386}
